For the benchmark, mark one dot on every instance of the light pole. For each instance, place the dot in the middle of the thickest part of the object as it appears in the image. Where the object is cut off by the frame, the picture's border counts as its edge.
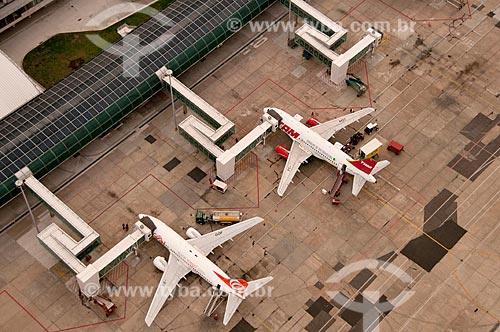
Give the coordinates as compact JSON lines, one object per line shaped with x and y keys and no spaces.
{"x":169,"y":73}
{"x":19,"y":184}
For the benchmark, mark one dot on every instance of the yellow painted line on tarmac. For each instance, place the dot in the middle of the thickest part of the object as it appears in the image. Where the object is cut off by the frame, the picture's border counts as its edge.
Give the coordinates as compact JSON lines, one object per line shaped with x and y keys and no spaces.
{"x":454,"y":268}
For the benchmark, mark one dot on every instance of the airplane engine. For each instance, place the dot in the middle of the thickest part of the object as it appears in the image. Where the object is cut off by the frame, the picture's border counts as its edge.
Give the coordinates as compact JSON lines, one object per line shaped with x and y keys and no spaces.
{"x":312,"y":121}
{"x":282,"y":151}
{"x":192,"y":233}
{"x":160,"y":263}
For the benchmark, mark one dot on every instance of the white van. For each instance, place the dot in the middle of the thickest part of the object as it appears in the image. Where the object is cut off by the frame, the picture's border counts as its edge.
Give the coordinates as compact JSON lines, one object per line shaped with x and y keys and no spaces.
{"x":219,"y":186}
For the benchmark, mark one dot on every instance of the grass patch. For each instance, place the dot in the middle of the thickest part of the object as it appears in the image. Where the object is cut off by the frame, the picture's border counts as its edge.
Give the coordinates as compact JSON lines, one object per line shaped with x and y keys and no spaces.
{"x":63,"y":53}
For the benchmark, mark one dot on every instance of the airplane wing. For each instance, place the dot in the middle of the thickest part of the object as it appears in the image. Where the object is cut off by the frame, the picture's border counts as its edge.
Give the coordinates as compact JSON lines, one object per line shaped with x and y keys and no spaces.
{"x":357,"y":184}
{"x":207,"y":242}
{"x":329,"y":128}
{"x":296,"y":157}
{"x":174,"y":272}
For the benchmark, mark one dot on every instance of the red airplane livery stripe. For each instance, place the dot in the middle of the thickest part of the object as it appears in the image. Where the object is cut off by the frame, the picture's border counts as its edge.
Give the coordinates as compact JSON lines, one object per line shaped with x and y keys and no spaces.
{"x":365,"y":166}
{"x":239,"y":285}
{"x":289,"y":130}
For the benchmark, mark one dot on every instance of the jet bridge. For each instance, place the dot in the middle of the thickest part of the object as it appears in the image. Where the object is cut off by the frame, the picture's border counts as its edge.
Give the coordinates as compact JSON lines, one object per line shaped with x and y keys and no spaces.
{"x":316,"y":38}
{"x":202,"y":134}
{"x":53,"y":237}
{"x":71,"y":251}
{"x":89,"y":278}
{"x":333,"y":33}
{"x":224,"y":128}
{"x":226,"y":162}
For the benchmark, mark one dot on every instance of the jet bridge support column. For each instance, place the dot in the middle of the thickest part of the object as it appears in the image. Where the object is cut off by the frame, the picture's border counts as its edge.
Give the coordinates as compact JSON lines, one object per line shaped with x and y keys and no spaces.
{"x":226,"y":162}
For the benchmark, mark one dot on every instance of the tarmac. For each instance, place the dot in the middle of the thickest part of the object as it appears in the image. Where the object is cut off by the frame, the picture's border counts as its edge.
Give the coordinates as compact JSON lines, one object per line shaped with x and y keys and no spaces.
{"x":418,"y":250}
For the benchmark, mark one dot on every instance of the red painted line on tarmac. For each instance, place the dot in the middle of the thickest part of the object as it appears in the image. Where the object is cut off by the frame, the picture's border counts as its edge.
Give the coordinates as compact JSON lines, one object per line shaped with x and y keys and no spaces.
{"x":104,"y":321}
{"x":352,"y":10}
{"x":396,"y":10}
{"x":179,"y":197}
{"x":289,"y":93}
{"x":248,"y":95}
{"x":75,"y":327}
{"x":468,"y":7}
{"x":124,"y":194}
{"x":211,"y":208}
{"x":315,"y":108}
{"x":173,"y":192}
{"x":438,"y":19}
{"x":25,"y":310}
{"x":257,"y":172}
{"x":428,"y":19}
{"x":88,"y":325}
{"x":368,"y":84}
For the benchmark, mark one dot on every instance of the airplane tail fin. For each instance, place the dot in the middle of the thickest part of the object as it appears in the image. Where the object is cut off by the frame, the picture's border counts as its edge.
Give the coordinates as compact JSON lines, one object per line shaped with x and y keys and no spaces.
{"x":256,"y":284}
{"x":234,"y":301}
{"x":370,"y":166}
{"x":380,"y":166}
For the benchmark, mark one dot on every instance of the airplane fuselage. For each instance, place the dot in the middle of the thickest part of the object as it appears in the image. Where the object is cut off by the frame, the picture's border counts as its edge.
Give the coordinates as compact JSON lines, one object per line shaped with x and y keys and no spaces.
{"x":321,"y":148}
{"x":192,"y":258}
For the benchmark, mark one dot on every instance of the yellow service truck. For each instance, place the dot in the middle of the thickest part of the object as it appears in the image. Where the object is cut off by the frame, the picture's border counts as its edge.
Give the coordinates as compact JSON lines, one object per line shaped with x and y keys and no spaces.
{"x":219,"y":217}
{"x":370,"y":149}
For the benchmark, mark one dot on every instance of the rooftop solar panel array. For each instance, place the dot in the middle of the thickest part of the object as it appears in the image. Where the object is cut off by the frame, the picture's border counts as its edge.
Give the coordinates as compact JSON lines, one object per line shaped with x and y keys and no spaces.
{"x":53,"y":126}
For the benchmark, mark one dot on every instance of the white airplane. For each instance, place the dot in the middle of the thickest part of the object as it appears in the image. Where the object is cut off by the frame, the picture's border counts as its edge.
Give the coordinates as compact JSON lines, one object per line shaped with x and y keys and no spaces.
{"x":309,"y":141}
{"x":190,"y":256}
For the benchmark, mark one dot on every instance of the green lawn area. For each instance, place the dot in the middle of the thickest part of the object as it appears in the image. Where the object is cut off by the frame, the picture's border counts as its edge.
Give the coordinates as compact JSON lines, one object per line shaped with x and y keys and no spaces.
{"x":62,"y":54}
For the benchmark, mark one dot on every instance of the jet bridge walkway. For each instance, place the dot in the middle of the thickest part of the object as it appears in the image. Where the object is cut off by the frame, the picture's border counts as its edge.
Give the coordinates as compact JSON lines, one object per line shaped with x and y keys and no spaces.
{"x":71,"y":251}
{"x":94,"y":272}
{"x":333,"y":33}
{"x":224,"y":128}
{"x":203,"y":135}
{"x":316,"y":38}
{"x":53,"y":237}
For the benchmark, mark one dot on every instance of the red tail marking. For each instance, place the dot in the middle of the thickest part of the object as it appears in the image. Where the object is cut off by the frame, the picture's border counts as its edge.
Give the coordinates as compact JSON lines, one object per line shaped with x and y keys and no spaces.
{"x":365,"y":166}
{"x":238,"y":285}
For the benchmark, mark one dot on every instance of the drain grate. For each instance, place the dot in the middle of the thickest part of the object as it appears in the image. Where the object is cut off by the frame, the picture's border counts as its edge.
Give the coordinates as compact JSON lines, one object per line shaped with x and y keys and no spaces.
{"x":197,"y":174}
{"x":172,"y":164}
{"x":150,"y":139}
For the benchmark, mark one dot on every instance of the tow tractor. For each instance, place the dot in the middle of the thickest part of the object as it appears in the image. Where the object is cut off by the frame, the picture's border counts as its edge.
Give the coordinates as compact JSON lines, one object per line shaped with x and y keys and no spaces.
{"x":223,"y":218}
{"x":356,"y":84}
{"x":105,"y":303}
